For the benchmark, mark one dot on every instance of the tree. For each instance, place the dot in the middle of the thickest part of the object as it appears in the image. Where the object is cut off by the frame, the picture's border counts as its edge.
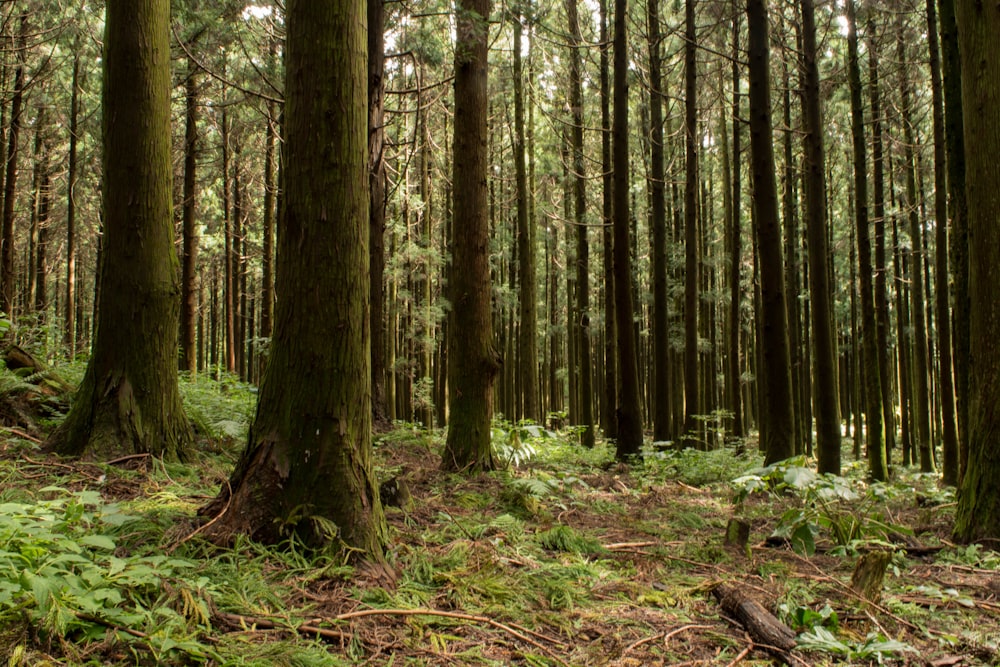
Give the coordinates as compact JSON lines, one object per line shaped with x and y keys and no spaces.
{"x":128,"y":400}
{"x":690,"y":222}
{"x":827,"y":403}
{"x":376,"y":215}
{"x":629,"y":410}
{"x":776,"y":401}
{"x":189,"y":229}
{"x":307,"y":464}
{"x":872,"y":385}
{"x":10,"y":183}
{"x":978,"y":514}
{"x":473,"y":363}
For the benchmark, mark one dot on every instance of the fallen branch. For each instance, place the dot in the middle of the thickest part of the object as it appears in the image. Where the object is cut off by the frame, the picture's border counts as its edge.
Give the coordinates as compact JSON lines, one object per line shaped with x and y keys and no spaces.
{"x":763,"y":626}
{"x":307,"y":629}
{"x":21,"y":434}
{"x":628,"y":545}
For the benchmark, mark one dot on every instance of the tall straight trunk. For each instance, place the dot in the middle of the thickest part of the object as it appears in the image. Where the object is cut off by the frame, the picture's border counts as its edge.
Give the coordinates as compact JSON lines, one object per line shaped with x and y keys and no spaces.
{"x":733,"y":383}
{"x":7,"y":278}
{"x":977,"y":516}
{"x":473,"y":362}
{"x":36,"y":179}
{"x":582,"y":320}
{"x":824,"y":341}
{"x":189,"y":228}
{"x":776,"y":398}
{"x":872,"y":384}
{"x":376,"y":214}
{"x":957,"y":209}
{"x":658,"y":222}
{"x":921,"y":391}
{"x":878,"y":209}
{"x":128,"y":401}
{"x":307,"y":463}
{"x":691,"y":408}
{"x":267,"y":261}
{"x":227,"y":218}
{"x":609,"y":406}
{"x":629,"y":409}
{"x":791,"y":231}
{"x":69,"y":315}
{"x":528,"y":333}
{"x":946,"y":389}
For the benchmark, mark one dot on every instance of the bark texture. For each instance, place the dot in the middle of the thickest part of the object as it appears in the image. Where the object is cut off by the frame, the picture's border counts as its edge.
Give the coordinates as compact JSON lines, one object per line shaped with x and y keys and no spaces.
{"x":307,"y":469}
{"x":473,"y":362}
{"x":128,"y":401}
{"x":978,"y":514}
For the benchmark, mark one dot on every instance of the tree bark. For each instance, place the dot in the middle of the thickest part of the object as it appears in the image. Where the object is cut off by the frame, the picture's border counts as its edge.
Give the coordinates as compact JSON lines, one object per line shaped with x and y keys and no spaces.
{"x":307,"y":465}
{"x":658,"y":222}
{"x":10,"y":180}
{"x":128,"y":401}
{"x":629,"y":410}
{"x":977,"y":516}
{"x":376,"y":215}
{"x":872,"y":384}
{"x":609,"y":411}
{"x":733,"y":379}
{"x":824,"y":352}
{"x":776,"y":399}
{"x":189,"y":228}
{"x":473,"y":362}
{"x":69,"y":331}
{"x":691,"y":408}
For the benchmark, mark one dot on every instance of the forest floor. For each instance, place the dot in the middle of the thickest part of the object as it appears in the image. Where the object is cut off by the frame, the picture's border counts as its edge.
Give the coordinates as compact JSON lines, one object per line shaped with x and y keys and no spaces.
{"x":566,"y":558}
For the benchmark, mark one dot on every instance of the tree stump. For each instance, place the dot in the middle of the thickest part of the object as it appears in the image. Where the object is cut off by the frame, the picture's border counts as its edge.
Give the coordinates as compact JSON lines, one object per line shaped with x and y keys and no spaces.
{"x":869,"y":573}
{"x":764,"y":628}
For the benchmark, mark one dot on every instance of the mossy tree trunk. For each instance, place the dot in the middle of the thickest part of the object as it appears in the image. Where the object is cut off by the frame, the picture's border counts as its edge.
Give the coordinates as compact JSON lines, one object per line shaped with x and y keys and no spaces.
{"x":473,"y":362}
{"x":128,"y":400}
{"x":308,"y":456}
{"x":978,"y":514}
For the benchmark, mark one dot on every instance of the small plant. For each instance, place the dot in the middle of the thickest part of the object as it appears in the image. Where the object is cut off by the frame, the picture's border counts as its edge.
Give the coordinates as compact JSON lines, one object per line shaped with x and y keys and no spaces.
{"x":875,"y":646}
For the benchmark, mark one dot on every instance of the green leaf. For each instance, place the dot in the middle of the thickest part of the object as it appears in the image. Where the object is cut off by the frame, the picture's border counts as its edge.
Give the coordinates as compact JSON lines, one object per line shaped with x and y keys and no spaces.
{"x":98,"y":542}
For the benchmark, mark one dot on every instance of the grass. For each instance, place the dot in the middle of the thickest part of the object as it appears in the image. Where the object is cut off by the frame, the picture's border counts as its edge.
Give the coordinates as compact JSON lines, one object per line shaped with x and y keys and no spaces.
{"x":566,"y":559}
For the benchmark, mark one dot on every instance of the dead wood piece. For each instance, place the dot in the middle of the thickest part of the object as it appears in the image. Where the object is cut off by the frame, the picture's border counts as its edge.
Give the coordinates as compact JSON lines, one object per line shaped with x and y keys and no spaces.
{"x":762,"y":625}
{"x":738,"y":534}
{"x":18,"y":358}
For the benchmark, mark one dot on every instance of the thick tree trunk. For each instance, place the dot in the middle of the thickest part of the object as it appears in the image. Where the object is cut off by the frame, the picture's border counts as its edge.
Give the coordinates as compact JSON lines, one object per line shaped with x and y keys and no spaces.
{"x":473,"y":362}
{"x":776,"y":398}
{"x":307,"y":465}
{"x":629,"y":410}
{"x":872,"y":383}
{"x":978,"y":514}
{"x":189,"y":228}
{"x":128,"y":400}
{"x":824,"y":350}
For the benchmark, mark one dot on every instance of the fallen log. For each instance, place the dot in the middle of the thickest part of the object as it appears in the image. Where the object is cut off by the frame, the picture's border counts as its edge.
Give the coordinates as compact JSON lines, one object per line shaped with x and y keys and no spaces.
{"x":765,"y":630}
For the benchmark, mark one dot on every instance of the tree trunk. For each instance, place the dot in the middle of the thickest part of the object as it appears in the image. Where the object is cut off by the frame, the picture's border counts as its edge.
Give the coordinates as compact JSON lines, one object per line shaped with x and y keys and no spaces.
{"x":376,"y":215}
{"x":473,"y":362}
{"x":691,"y":408}
{"x":609,"y":412}
{"x":977,"y":516}
{"x":189,"y":229}
{"x":959,"y":246}
{"x":128,"y":401}
{"x":10,"y":182}
{"x":946,"y":390}
{"x":872,"y":384}
{"x":776,"y":399}
{"x":921,"y":391}
{"x":307,"y":465}
{"x":582,"y":320}
{"x":733,"y":378}
{"x":69,"y":331}
{"x":824,"y":350}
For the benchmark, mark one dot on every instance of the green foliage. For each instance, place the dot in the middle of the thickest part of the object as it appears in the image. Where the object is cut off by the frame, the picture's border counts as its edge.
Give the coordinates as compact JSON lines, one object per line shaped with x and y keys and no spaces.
{"x":565,"y":538}
{"x":803,"y":618}
{"x":829,"y":505}
{"x":60,"y":572}
{"x":696,"y":467}
{"x":875,"y":646}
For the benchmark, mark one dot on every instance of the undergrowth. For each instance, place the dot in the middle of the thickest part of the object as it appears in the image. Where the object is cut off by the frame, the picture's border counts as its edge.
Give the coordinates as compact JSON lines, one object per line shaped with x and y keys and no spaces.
{"x":564,"y":557}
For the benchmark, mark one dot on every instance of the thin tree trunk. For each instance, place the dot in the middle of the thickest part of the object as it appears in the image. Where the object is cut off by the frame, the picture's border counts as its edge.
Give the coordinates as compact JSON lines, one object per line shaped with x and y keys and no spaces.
{"x":189,"y":229}
{"x":733,"y":381}
{"x":609,"y":412}
{"x":691,"y":408}
{"x":69,"y":331}
{"x":872,"y":384}
{"x":10,"y":177}
{"x":376,"y":215}
{"x":824,"y":341}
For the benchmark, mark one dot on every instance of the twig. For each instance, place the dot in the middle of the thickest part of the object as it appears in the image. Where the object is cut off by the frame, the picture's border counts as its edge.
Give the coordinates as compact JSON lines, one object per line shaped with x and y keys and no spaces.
{"x":123,"y":459}
{"x":53,"y":464}
{"x":645,"y":640}
{"x":742,"y":654}
{"x":21,"y":434}
{"x":628,"y":545}
{"x":268,"y":624}
{"x":684,"y":628}
{"x":511,"y":628}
